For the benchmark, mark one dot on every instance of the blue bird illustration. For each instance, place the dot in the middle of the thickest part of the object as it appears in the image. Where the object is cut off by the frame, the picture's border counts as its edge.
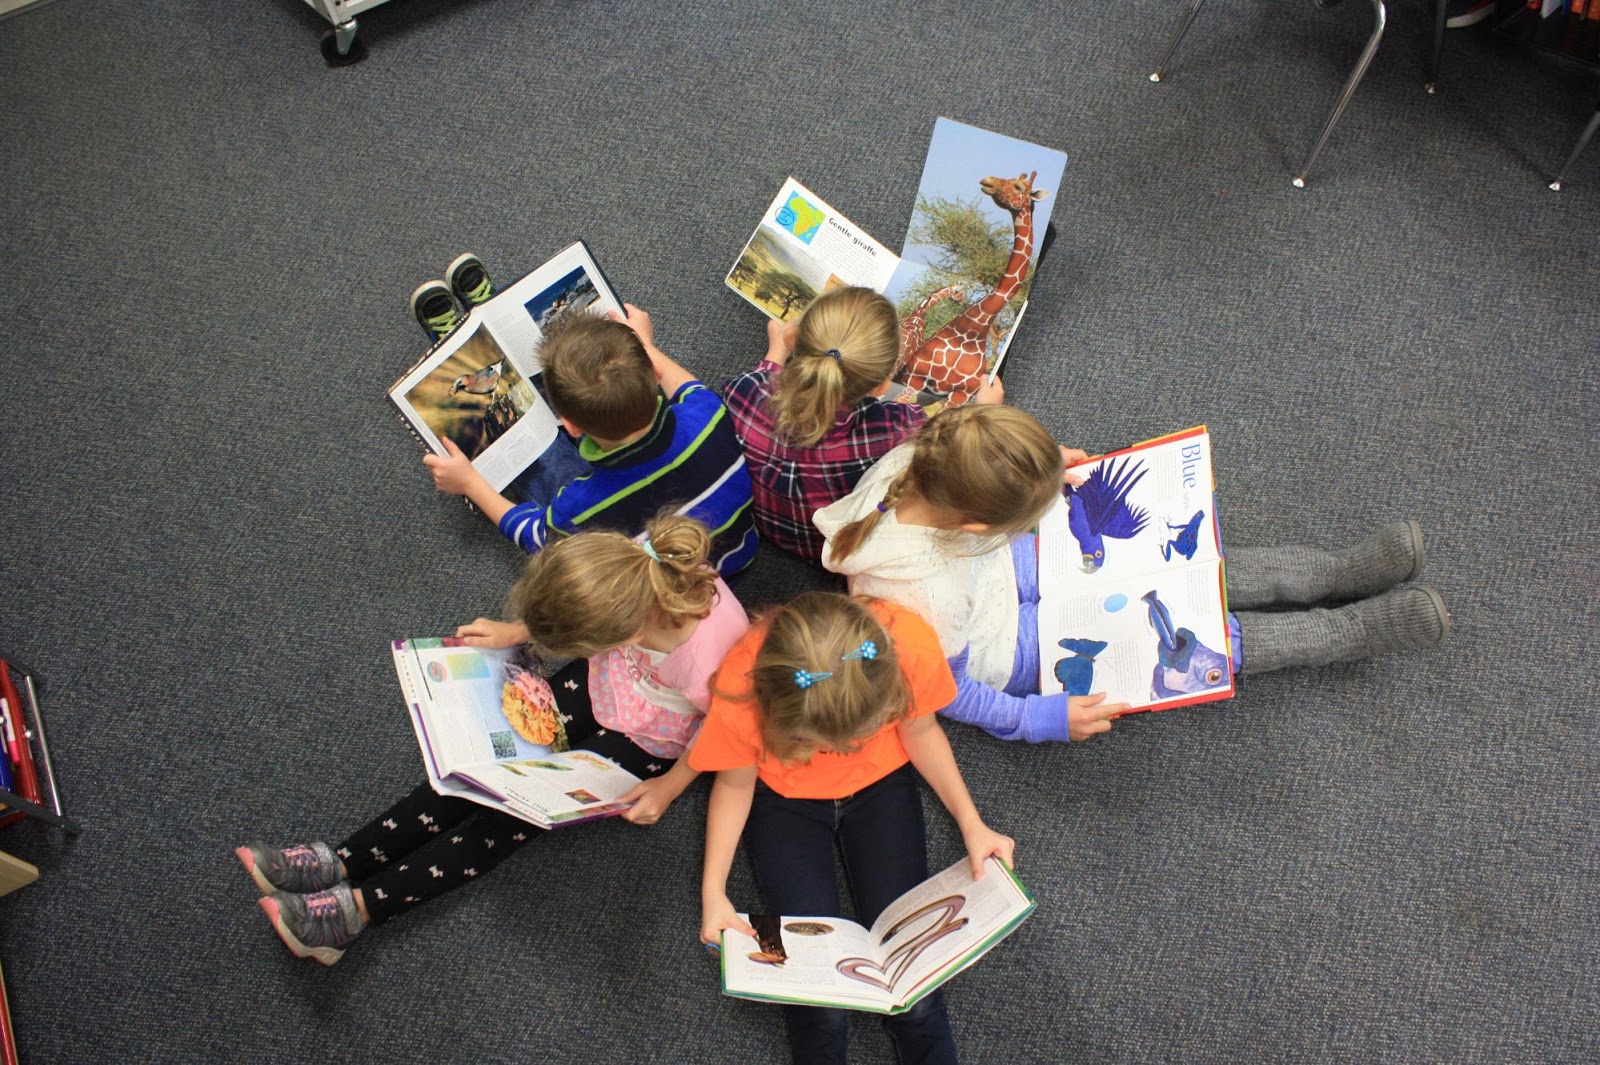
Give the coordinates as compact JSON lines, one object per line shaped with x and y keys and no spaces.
{"x":1076,"y":671}
{"x":1184,"y":665}
{"x":1098,"y":508}
{"x":1187,"y":542}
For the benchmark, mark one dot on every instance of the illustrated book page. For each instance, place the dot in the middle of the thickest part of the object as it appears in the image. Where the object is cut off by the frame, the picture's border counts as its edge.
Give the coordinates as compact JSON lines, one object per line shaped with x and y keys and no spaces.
{"x":482,"y":386}
{"x":920,"y":941}
{"x":1132,"y":601}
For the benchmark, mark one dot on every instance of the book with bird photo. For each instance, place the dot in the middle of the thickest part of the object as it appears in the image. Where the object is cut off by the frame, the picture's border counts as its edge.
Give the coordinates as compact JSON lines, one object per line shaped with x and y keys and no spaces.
{"x":481,"y":386}
{"x":961,"y":282}
{"x":1131,"y":594}
{"x":921,"y":940}
{"x":491,"y":732}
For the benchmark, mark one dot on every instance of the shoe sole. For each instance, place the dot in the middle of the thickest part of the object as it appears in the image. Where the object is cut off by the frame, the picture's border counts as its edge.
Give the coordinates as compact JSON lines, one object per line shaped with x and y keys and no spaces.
{"x":247,"y":859}
{"x":1438,"y":605}
{"x":1417,"y":549}
{"x":325,"y":955}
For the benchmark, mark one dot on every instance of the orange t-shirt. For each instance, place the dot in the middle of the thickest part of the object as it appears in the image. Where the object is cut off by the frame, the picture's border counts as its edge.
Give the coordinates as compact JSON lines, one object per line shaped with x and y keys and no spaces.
{"x":731,"y":735}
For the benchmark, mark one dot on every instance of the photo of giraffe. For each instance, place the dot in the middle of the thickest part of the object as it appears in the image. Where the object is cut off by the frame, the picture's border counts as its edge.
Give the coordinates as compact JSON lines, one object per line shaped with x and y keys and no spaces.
{"x":969,"y":256}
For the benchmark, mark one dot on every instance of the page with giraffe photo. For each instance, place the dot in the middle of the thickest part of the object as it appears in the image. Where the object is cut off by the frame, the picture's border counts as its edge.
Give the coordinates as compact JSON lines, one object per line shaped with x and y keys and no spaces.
{"x":1131,"y":596}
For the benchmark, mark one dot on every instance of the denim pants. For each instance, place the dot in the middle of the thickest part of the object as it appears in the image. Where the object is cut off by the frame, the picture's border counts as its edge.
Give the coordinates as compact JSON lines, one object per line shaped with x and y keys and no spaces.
{"x":879,"y":833}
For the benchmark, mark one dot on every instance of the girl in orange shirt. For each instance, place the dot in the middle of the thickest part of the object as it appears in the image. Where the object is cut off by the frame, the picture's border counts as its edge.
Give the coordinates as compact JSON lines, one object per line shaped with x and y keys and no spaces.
{"x":817,"y":717}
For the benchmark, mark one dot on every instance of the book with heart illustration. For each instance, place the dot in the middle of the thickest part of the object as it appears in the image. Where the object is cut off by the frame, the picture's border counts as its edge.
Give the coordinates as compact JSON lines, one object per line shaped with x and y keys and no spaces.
{"x":961,"y":282}
{"x":1131,"y":595}
{"x":921,"y":940}
{"x":481,"y":386}
{"x":491,"y":733}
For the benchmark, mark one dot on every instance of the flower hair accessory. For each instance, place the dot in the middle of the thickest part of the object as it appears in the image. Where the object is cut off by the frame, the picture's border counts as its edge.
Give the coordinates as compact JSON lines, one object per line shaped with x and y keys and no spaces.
{"x":867,"y":650}
{"x":802,"y":679}
{"x":650,"y":549}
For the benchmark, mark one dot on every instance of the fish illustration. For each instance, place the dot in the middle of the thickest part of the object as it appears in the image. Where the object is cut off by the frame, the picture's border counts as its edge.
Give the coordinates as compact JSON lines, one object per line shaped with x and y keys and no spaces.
{"x":1184,"y":665}
{"x":1076,"y":671}
{"x":1098,"y":508}
{"x":1187,"y":542}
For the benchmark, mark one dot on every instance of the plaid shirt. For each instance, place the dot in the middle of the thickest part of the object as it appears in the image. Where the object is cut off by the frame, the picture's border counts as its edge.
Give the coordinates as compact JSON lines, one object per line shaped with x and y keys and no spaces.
{"x":791,"y":482}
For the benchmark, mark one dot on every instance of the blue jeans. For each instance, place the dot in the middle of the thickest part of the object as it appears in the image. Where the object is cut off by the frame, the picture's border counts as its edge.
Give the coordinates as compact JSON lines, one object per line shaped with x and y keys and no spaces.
{"x":879,"y":832}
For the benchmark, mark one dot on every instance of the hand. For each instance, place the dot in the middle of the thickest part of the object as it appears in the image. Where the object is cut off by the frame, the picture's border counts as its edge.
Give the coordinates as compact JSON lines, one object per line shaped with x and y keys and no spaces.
{"x":453,"y":472}
{"x":650,"y":799}
{"x":1072,"y":456}
{"x":1089,"y":715}
{"x":484,"y":632}
{"x":780,"y":340}
{"x":638,"y":321}
{"x":991,"y":391}
{"x":718,"y":914}
{"x":982,"y":842}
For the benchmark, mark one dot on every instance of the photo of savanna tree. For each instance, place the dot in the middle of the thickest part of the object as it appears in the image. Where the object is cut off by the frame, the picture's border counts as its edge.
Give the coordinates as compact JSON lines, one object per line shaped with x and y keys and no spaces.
{"x":771,"y":278}
{"x":965,"y":244}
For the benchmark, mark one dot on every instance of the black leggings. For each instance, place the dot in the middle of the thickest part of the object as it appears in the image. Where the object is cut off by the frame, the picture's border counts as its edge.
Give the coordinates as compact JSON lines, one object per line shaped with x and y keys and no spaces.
{"x":427,"y":844}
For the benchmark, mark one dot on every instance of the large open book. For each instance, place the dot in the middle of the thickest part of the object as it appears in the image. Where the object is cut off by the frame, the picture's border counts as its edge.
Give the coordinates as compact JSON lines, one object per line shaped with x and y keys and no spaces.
{"x":481,"y":386}
{"x":1132,"y":600}
{"x":922,"y":939}
{"x":961,"y":282}
{"x":490,"y":732}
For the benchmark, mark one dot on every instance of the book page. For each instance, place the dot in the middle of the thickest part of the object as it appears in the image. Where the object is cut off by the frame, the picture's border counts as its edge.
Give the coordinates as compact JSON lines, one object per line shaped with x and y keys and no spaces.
{"x":803,"y":248}
{"x":518,"y":315}
{"x":557,"y":789}
{"x":808,"y":972}
{"x":1131,"y":599}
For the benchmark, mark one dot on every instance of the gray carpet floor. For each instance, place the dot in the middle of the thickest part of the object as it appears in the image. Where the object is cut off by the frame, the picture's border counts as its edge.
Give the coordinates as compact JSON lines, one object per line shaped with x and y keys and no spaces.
{"x":211,"y":524}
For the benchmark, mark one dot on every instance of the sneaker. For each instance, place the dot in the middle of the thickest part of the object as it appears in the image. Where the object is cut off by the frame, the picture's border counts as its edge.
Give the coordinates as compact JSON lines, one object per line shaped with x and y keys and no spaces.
{"x":321,"y":925}
{"x":302,"y":868}
{"x":435,"y":308}
{"x":1462,"y":13}
{"x":468,"y":281}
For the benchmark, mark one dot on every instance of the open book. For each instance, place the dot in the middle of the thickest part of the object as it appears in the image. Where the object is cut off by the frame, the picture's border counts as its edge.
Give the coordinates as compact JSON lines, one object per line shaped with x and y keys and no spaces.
{"x":922,"y":939}
{"x":961,"y":283}
{"x":490,"y":732}
{"x":481,"y":386}
{"x":1132,"y":600}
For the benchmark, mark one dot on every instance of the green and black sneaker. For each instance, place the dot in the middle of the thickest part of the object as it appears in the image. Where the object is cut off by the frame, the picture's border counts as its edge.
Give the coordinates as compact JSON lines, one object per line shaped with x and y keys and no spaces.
{"x":435,"y":309}
{"x":469,"y":281}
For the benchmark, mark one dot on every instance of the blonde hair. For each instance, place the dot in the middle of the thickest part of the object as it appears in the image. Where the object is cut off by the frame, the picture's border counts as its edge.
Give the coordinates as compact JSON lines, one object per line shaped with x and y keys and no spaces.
{"x":846,"y":344}
{"x":824,"y":632}
{"x":598,"y":375}
{"x":980,"y":463}
{"x":596,"y":590}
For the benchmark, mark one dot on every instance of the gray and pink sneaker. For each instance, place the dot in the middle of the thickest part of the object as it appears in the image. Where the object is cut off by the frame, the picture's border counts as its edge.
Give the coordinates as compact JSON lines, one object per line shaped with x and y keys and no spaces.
{"x":320,"y":925}
{"x":302,"y":868}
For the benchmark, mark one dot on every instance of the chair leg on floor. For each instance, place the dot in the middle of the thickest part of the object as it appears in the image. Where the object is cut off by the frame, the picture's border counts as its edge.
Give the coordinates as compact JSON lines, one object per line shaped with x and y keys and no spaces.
{"x":1172,"y":45}
{"x":1577,"y":150}
{"x":1436,"y":50}
{"x":1348,"y":91}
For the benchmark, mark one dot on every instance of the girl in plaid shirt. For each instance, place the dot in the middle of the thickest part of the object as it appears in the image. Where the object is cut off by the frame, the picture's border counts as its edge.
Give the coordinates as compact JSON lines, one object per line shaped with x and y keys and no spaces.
{"x":812,"y":416}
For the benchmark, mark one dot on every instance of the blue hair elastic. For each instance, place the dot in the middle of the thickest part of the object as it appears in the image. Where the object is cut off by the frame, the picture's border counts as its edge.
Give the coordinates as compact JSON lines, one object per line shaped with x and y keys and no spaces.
{"x":802,"y":679}
{"x":650,"y":549}
{"x":833,"y":353}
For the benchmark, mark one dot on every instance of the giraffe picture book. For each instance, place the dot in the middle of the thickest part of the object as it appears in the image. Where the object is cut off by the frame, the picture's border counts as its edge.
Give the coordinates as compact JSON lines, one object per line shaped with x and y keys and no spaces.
{"x":481,"y":386}
{"x":490,"y":732}
{"x":1131,"y":593}
{"x":920,"y":941}
{"x":961,"y":281}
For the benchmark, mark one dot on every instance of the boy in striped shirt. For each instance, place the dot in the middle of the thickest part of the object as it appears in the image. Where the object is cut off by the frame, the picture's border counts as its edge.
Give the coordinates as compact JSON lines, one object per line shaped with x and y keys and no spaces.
{"x":654,"y":437}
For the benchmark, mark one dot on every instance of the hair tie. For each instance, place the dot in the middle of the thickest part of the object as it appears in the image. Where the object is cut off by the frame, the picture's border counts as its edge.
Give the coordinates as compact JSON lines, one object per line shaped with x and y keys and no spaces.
{"x":833,"y":353}
{"x":650,"y":549}
{"x":802,"y":679}
{"x":882,"y":508}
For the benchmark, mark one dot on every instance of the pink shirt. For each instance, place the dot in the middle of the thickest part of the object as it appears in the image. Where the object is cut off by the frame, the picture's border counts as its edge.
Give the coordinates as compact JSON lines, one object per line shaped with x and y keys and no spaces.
{"x":659,"y":699}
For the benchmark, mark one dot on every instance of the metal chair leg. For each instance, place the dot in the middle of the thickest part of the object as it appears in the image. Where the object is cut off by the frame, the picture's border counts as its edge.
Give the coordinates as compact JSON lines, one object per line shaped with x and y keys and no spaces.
{"x":1583,"y":142}
{"x":1172,"y":45}
{"x":1440,"y":14}
{"x":1349,"y":90}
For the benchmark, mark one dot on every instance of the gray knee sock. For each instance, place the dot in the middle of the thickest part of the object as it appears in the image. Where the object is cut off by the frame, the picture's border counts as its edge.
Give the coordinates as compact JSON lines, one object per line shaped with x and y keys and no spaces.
{"x":1296,"y":575}
{"x":1407,"y":619}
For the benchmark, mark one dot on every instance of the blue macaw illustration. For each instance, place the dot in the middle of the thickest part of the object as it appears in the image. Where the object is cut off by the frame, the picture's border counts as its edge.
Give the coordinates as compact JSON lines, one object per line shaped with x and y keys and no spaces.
{"x":1187,"y":542}
{"x":1184,"y":665}
{"x":1076,"y":671}
{"x":1098,"y":508}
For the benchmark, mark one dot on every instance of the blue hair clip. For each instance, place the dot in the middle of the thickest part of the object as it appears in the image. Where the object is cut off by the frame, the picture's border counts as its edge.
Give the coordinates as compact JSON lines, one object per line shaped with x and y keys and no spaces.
{"x":650,"y":549}
{"x":867,"y":650}
{"x":802,"y":679}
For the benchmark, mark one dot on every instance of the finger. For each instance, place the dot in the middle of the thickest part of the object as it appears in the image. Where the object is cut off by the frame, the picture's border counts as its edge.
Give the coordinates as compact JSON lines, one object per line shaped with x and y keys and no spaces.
{"x":451,"y":448}
{"x":1092,"y":699}
{"x":1116,"y":709}
{"x":635,"y":794}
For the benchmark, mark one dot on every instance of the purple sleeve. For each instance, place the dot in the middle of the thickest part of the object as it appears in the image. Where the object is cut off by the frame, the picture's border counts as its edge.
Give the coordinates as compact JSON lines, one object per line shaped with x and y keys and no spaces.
{"x":1035,"y":718}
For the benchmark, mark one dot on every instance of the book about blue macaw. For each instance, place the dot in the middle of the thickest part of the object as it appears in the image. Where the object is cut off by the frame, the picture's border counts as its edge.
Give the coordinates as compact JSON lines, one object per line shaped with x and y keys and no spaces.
{"x":1132,"y":599}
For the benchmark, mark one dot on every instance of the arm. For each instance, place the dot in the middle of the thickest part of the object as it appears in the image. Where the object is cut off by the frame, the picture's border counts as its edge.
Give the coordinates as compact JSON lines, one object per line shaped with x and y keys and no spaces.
{"x":731,"y":795}
{"x":454,"y":474}
{"x":526,"y":525}
{"x":1035,"y":718}
{"x":484,"y":632}
{"x":650,"y":798}
{"x":929,"y":749}
{"x":669,"y":373}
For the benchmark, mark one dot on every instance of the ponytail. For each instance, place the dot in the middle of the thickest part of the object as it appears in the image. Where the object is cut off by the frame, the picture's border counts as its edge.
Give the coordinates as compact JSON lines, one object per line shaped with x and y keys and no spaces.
{"x":847,"y":343}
